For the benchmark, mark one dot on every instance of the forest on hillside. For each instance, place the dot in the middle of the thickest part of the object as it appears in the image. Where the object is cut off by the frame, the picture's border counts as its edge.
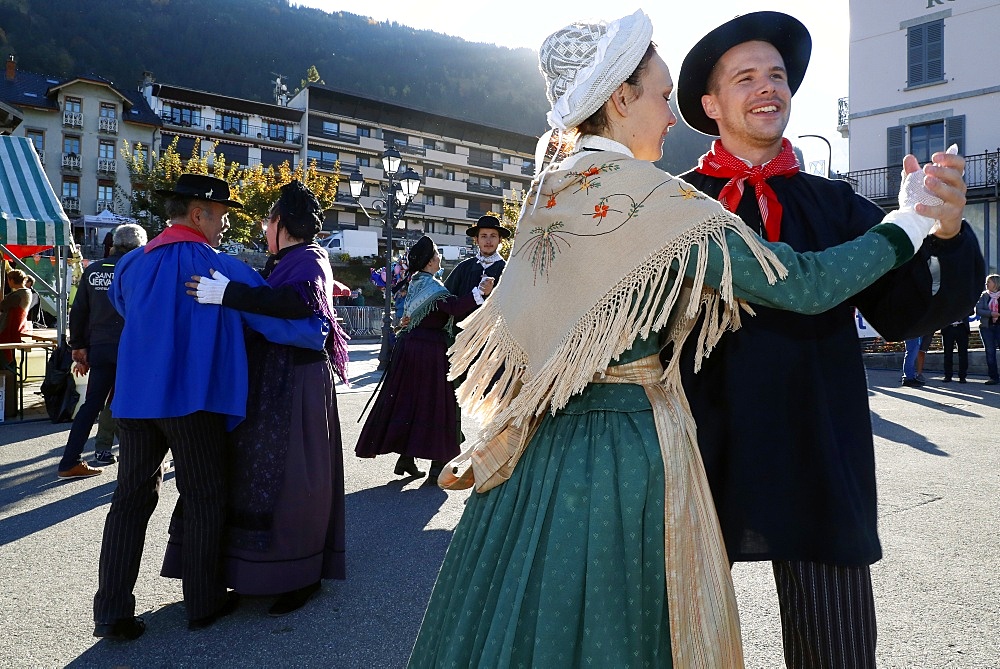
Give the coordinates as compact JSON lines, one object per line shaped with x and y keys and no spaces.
{"x":235,"y":47}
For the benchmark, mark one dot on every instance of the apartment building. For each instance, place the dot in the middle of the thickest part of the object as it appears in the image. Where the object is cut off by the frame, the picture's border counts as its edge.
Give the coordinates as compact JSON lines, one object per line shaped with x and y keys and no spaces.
{"x":244,"y":131}
{"x":77,"y":125}
{"x":466,"y":169}
{"x":933,"y":87}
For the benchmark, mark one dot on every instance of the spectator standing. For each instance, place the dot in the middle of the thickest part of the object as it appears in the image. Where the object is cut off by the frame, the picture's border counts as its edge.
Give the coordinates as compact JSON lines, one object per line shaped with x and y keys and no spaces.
{"x":95,"y":328}
{"x":956,"y":334}
{"x":989,"y":325}
{"x":184,"y":386}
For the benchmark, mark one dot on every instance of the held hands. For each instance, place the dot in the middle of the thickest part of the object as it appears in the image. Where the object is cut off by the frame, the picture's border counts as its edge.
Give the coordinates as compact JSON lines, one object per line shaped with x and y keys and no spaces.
{"x":919,"y":201}
{"x":944,"y":183}
{"x":486,"y":285}
{"x":208,"y":290}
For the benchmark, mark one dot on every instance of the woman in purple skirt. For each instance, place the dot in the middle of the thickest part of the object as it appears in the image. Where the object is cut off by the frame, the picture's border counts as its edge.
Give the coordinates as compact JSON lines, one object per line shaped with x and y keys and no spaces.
{"x":415,"y":413}
{"x":285,"y":521}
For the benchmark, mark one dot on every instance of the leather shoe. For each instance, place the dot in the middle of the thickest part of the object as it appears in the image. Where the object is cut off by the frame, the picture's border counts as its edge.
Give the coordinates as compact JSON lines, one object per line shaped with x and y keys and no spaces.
{"x":123,"y":629}
{"x":232,"y":602}
{"x":293,"y":600}
{"x":406,"y":465}
{"x":435,"y":470}
{"x":946,"y":379}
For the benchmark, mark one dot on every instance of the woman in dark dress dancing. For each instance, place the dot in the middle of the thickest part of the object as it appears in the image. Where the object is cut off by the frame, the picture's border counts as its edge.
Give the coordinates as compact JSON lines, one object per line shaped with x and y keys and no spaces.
{"x":415,"y":413}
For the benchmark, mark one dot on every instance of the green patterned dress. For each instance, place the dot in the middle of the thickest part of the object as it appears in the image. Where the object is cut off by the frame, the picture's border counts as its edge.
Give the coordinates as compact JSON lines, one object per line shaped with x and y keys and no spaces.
{"x":563,"y":565}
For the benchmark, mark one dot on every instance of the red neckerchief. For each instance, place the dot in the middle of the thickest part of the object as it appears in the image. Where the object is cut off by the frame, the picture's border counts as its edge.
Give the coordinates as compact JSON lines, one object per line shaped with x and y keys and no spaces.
{"x":173,"y":234}
{"x":720,"y":163}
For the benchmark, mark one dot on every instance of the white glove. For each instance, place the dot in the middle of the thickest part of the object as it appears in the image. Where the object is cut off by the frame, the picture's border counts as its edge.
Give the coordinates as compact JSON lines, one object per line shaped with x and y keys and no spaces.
{"x":212,"y":289}
{"x":913,"y":191}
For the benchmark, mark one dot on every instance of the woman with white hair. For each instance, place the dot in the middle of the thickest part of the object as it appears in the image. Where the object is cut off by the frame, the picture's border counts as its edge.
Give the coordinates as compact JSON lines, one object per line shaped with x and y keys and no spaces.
{"x":592,"y":539}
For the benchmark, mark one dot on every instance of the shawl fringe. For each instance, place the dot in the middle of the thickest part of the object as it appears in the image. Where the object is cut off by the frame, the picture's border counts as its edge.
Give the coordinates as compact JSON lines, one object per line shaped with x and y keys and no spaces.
{"x":643,"y":301}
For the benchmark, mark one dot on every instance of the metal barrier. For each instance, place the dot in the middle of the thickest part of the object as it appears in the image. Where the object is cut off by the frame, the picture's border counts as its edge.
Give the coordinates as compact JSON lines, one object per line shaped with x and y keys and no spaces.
{"x":361,"y":321}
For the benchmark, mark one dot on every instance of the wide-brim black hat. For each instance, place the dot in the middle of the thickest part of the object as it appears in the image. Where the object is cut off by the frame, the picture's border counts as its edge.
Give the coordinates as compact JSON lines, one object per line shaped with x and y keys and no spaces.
{"x":488,"y":222}
{"x":201,"y":187}
{"x":783,"y":32}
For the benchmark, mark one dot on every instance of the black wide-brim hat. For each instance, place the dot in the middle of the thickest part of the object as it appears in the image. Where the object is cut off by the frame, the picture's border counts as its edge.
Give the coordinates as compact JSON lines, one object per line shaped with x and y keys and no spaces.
{"x":488,"y":222}
{"x":783,"y":32}
{"x":201,"y":187}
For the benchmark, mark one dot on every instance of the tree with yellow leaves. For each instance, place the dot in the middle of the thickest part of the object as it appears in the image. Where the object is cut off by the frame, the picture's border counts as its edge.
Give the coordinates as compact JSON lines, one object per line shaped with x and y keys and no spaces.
{"x":257,"y":187}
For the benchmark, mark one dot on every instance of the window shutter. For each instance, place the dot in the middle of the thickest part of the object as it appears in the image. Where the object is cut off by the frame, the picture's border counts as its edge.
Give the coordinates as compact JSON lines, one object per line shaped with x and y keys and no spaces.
{"x":894,"y":146}
{"x":954,"y":133}
{"x":934,"y":38}
{"x":915,"y":55}
{"x":895,"y":136}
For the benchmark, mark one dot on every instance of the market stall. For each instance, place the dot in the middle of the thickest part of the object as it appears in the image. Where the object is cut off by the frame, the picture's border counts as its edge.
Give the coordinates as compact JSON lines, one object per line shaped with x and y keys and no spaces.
{"x":33,"y":220}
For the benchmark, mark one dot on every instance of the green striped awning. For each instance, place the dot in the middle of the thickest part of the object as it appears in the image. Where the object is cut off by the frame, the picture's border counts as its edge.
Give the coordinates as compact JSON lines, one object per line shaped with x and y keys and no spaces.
{"x":32,"y":214}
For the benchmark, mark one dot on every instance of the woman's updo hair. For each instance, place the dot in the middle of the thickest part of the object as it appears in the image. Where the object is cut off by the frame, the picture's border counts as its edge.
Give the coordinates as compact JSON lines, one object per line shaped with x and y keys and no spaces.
{"x":420,"y":254}
{"x":300,"y":211}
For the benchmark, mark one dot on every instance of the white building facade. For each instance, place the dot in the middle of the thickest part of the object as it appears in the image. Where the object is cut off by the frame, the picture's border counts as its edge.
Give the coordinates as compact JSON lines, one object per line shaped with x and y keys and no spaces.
{"x":923,"y":77}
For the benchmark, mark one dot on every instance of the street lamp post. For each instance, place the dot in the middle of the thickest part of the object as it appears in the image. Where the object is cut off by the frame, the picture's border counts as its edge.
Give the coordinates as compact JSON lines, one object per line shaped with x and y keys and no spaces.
{"x":401,"y":189}
{"x":829,"y":152}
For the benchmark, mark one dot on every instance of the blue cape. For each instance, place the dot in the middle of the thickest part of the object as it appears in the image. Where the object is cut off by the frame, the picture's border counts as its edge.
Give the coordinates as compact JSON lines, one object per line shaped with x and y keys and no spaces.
{"x":177,"y":356}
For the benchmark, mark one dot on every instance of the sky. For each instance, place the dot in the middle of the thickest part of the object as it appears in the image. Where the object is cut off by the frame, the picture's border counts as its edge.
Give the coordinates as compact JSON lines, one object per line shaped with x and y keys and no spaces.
{"x":677,"y":27}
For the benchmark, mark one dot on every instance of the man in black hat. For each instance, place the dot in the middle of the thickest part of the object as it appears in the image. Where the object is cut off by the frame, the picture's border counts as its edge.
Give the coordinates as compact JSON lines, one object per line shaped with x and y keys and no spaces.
{"x":487,"y":262}
{"x":781,"y":404}
{"x":181,"y":384}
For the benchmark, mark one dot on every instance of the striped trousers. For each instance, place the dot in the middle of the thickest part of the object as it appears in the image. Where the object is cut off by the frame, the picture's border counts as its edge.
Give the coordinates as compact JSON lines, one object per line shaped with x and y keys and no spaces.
{"x":827,"y":615}
{"x":197,"y":442}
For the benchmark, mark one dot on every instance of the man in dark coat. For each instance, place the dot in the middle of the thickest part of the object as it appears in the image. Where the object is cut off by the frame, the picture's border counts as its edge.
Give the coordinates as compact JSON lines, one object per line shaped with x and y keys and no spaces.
{"x":781,"y":404}
{"x":95,"y":327}
{"x":487,"y":262}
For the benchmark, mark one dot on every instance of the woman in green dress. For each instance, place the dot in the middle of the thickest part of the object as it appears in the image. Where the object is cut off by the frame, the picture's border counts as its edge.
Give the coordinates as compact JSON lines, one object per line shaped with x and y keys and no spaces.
{"x":591,"y":539}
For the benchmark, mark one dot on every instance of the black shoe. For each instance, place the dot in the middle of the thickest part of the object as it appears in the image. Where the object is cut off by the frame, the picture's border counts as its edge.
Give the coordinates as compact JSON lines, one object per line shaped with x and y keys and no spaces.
{"x":123,"y":629}
{"x":946,"y":379}
{"x":293,"y":601}
{"x":406,"y":465}
{"x":913,"y":383}
{"x":991,"y":382}
{"x":961,"y":379}
{"x":435,"y":470}
{"x":232,"y":602}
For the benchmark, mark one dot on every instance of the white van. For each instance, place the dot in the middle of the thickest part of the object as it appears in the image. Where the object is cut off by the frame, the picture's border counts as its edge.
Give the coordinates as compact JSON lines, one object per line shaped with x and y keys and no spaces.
{"x":356,"y":243}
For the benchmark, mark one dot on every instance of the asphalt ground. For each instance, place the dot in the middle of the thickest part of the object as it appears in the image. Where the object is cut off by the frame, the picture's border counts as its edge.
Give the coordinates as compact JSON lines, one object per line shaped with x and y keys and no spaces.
{"x":938,"y":459}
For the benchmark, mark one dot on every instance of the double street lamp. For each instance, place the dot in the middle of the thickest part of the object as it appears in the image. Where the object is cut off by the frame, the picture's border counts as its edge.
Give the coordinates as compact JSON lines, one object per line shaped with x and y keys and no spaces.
{"x":401,"y":189}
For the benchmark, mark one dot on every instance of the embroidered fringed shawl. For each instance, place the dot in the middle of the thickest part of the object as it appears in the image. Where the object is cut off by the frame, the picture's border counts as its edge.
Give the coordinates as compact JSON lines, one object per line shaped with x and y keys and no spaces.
{"x":423,"y":293}
{"x":594,"y":265}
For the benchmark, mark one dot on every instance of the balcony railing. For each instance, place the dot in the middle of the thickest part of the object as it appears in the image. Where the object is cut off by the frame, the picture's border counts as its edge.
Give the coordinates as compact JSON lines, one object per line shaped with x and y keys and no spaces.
{"x":72,"y":161}
{"x":41,"y":155}
{"x":107,"y":165}
{"x":476,"y":213}
{"x":105,"y":124}
{"x":71,"y":205}
{"x":482,"y":188}
{"x":415,"y":206}
{"x":410,"y":148}
{"x":528,"y":169}
{"x":982,"y":170}
{"x":843,"y":112}
{"x":103,"y":205}
{"x":73,"y":119}
{"x":482,"y":162}
{"x":340,"y":137}
{"x":251,"y":131}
